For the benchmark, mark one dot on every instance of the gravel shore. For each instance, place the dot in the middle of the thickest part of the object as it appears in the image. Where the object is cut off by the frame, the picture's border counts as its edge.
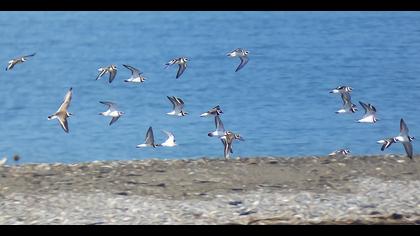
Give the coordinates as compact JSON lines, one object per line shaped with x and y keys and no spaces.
{"x":266,"y":190}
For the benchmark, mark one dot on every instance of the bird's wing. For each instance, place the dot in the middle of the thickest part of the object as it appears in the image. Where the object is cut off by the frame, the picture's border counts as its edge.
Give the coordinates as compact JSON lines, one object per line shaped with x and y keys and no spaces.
{"x":366,"y":107}
{"x":101,"y":73}
{"x":226,"y":148}
{"x":114,"y":119}
{"x":387,"y":143}
{"x":181,"y":69}
{"x":150,"y":139}
{"x":134,"y":71}
{"x":12,"y":63}
{"x":63,"y":123}
{"x":244,"y":61}
{"x":219,"y":124}
{"x":170,"y":135}
{"x":112,"y":75}
{"x":372,"y":109}
{"x":403,"y":128}
{"x":346,"y":98}
{"x":179,"y":104}
{"x":171,"y":62}
{"x":111,"y":106}
{"x":33,"y":54}
{"x":172,"y":101}
{"x":408,"y":149}
{"x":67,"y":99}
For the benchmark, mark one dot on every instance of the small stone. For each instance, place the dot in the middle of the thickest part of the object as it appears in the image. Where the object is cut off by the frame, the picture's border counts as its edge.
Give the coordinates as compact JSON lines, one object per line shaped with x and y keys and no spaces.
{"x":235,"y":203}
{"x":247,"y":212}
{"x":368,"y":206}
{"x":396,"y":216}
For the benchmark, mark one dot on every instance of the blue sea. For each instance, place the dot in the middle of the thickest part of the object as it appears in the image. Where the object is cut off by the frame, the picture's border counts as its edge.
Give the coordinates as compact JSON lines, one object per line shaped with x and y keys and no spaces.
{"x":279,"y":102}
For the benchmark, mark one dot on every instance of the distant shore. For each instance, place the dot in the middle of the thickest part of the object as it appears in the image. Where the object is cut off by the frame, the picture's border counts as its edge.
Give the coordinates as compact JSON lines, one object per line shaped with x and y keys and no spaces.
{"x":266,"y":190}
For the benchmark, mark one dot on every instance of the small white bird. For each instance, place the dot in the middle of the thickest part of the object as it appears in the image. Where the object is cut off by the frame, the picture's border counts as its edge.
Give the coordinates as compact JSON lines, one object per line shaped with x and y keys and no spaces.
{"x":348,"y":106}
{"x":242,"y":54}
{"x":177,"y":106}
{"x":136,"y":76}
{"x":227,"y":141}
{"x":3,"y":161}
{"x":405,"y":139}
{"x":170,"y":142}
{"x":370,"y":113}
{"x":182,"y":65}
{"x":149,"y":140}
{"x":215,"y":111}
{"x":18,"y":60}
{"x":112,"y":111}
{"x":62,"y":114}
{"x":340,"y":152}
{"x":112,"y":70}
{"x":220,"y":129}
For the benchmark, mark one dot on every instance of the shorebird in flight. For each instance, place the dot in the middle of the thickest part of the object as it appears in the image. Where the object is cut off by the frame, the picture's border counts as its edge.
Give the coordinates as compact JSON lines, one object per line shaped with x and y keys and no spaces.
{"x":16,"y":157}
{"x":112,"y":70}
{"x":405,"y":139}
{"x":177,"y":106}
{"x":182,"y":65}
{"x":227,"y":141}
{"x":170,"y":142}
{"x":386,"y":143}
{"x":242,"y":54}
{"x":370,"y":113}
{"x":18,"y":60}
{"x":215,"y":111}
{"x":340,"y":152}
{"x":149,"y":140}
{"x":3,"y":161}
{"x":348,"y":106}
{"x":62,"y":114}
{"x":220,"y":129}
{"x":136,"y":76}
{"x":342,"y":89}
{"x":112,"y":112}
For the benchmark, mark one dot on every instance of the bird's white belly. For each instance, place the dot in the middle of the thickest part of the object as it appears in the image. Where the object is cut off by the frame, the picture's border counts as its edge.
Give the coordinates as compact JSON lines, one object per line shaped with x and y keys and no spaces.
{"x":402,"y":139}
{"x":218,"y":133}
{"x":134,"y":79}
{"x":368,"y":119}
{"x":111,"y":113}
{"x":168,"y":144}
{"x":143,"y":145}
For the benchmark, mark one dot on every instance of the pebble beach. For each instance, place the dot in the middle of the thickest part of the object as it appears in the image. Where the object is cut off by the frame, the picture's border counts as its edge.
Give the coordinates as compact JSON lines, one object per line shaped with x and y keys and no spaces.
{"x":263,"y":190}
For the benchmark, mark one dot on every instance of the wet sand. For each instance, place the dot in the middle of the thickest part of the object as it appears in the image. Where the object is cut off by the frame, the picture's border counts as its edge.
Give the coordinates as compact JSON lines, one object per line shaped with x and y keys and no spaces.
{"x":265,"y":190}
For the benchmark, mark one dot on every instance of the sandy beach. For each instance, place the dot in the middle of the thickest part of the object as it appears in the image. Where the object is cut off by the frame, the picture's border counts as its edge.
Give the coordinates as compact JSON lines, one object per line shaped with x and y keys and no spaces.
{"x":266,"y":190}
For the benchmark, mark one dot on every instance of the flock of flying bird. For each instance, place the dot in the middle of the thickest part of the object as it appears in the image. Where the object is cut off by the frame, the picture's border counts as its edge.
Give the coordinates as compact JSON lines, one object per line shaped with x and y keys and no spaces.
{"x":370,"y":117}
{"x":227,"y":137}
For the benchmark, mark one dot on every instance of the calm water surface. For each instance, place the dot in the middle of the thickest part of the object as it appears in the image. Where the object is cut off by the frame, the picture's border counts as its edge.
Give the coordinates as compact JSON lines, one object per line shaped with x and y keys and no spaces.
{"x":279,"y":101}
